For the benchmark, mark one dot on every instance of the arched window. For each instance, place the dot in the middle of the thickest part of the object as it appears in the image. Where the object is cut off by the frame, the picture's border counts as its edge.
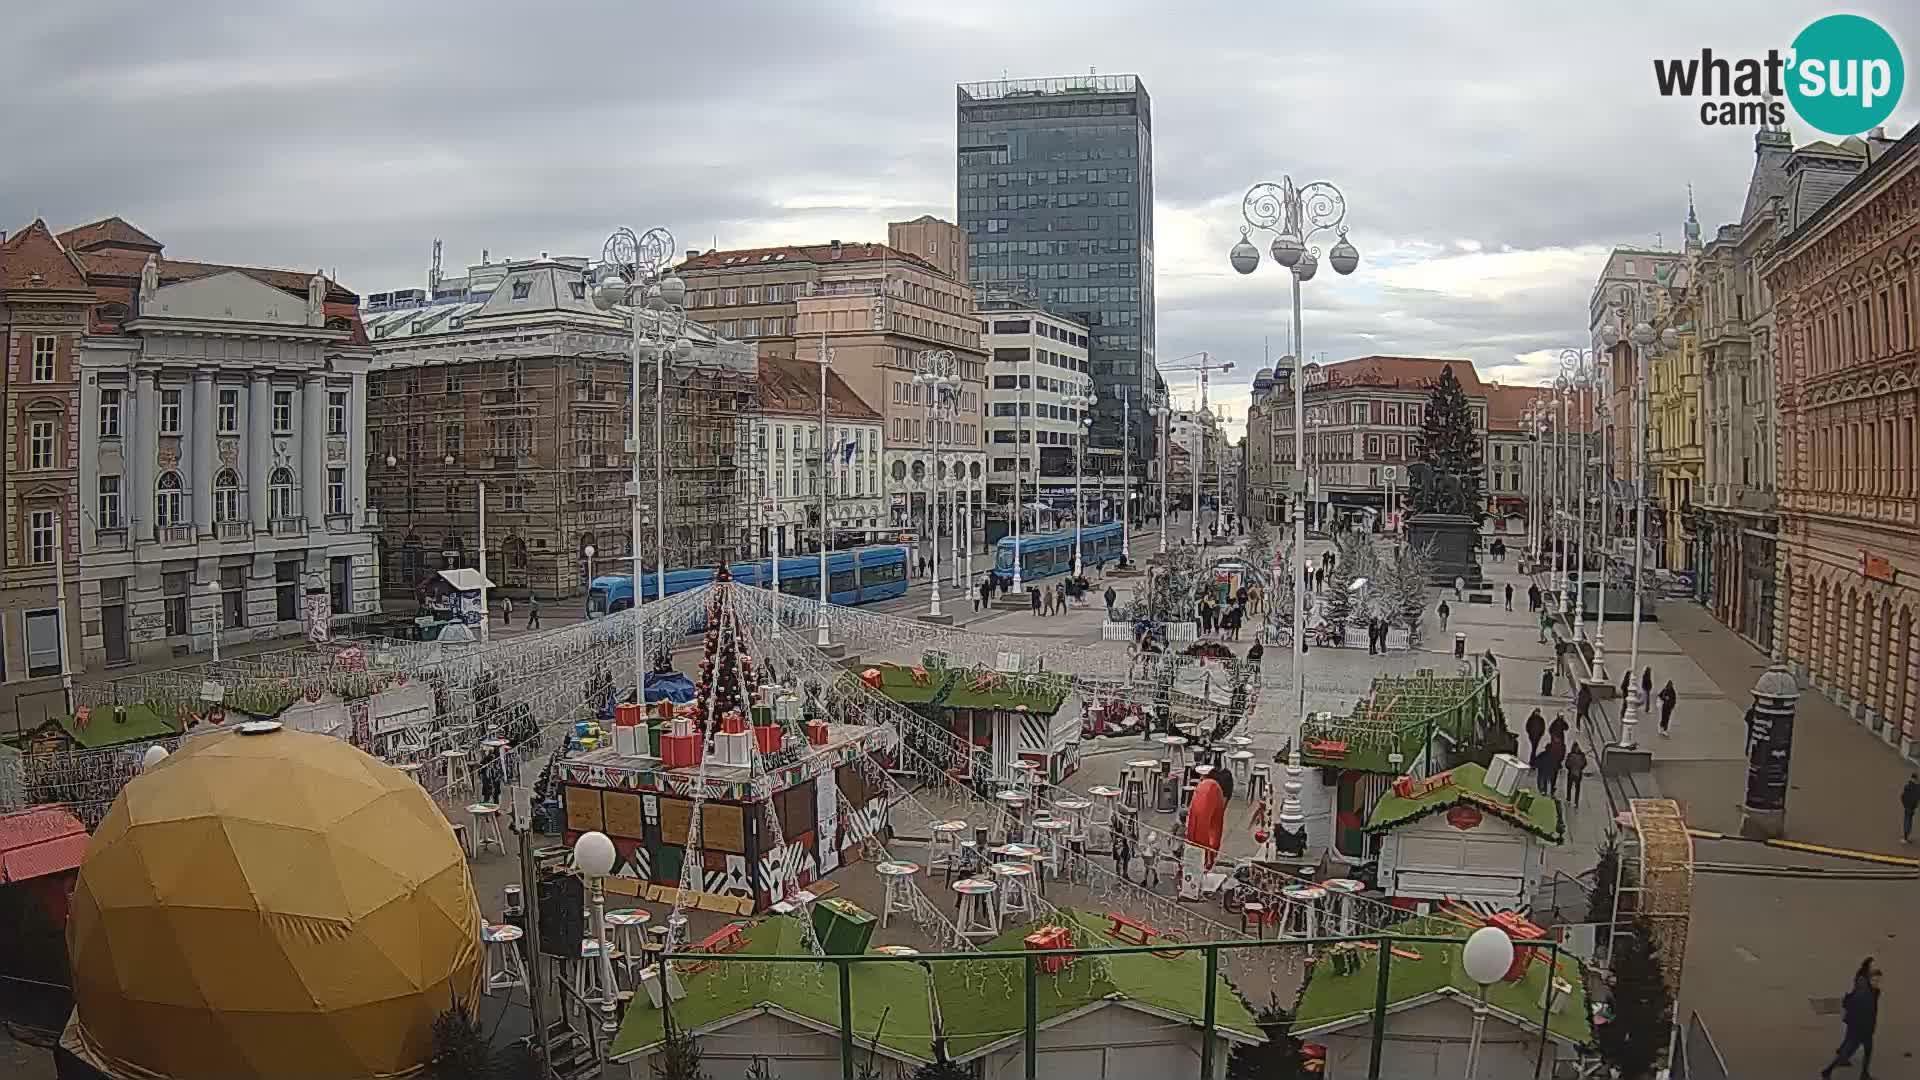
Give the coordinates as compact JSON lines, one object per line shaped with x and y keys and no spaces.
{"x":226,"y":495}
{"x":167,"y":510}
{"x":280,"y":493}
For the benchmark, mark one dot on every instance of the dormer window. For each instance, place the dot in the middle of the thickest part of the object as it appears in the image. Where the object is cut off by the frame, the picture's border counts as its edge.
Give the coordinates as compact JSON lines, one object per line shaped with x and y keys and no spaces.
{"x":521,"y":289}
{"x":579,"y":289}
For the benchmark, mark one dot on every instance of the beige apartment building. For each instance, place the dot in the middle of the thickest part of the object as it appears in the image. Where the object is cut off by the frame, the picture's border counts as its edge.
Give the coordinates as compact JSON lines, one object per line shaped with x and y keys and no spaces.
{"x":875,"y":308}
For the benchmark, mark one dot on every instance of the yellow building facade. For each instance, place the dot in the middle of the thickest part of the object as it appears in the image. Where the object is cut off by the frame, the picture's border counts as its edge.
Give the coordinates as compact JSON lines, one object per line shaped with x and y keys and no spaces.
{"x":1676,"y":447}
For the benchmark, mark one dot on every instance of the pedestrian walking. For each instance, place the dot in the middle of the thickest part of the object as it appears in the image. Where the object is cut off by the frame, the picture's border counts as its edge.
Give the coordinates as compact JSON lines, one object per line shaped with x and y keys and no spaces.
{"x":1060,"y":598}
{"x":1110,"y":596}
{"x":1546,"y":624}
{"x":1459,"y":588}
{"x":1646,"y":686}
{"x":1509,"y":596}
{"x":533,"y":613}
{"x":1536,"y":729}
{"x":1557,"y":731}
{"x":506,"y":611}
{"x":1860,"y":1012}
{"x":1444,"y":612}
{"x":1583,"y":703}
{"x":1667,"y":698}
{"x":1033,"y":598}
{"x":490,"y":779}
{"x":1909,"y":800}
{"x":1626,"y":683}
{"x":1576,"y":770}
{"x":1533,"y":598}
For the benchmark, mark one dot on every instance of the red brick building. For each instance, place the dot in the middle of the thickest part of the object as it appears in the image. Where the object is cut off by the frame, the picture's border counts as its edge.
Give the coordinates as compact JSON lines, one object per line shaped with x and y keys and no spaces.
{"x":1845,"y":283}
{"x":44,"y":304}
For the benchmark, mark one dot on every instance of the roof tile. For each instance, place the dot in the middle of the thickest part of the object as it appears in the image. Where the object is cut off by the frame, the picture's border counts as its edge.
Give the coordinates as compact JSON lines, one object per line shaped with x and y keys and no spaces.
{"x":798,"y":253}
{"x":107,"y":232}
{"x":33,"y":259}
{"x":793,"y":386}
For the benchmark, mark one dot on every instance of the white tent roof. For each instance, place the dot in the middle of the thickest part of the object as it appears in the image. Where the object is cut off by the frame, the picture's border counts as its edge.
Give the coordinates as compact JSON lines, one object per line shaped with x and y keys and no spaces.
{"x":466,"y":579}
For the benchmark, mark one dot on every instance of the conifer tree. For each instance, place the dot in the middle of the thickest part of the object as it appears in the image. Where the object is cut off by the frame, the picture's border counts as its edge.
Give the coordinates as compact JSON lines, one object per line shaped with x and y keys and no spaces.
{"x":1636,"y":1036}
{"x":1449,"y":445}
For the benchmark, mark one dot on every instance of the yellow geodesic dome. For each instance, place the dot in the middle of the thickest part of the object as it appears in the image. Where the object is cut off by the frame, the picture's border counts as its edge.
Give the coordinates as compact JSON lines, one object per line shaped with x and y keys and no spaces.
{"x":270,"y":905}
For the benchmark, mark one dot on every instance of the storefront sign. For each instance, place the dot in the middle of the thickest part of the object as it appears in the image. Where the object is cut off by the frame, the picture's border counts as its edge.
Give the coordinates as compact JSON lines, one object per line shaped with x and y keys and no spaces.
{"x":1875,"y":568}
{"x":1464,"y":818}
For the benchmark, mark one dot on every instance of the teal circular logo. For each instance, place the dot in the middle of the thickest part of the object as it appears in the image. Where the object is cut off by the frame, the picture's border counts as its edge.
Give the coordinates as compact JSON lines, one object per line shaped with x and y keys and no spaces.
{"x":1846,"y":74}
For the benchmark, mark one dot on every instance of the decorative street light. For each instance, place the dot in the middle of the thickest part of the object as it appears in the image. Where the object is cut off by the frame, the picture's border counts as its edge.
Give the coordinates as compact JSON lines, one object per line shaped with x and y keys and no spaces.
{"x":1157,"y":408}
{"x":1295,"y":215}
{"x":634,"y":273}
{"x":1486,"y":958}
{"x":1563,"y":488}
{"x":1642,"y":336}
{"x":1577,"y":365}
{"x":1083,"y":404}
{"x":1602,"y":413}
{"x":594,"y":856}
{"x":938,"y":371}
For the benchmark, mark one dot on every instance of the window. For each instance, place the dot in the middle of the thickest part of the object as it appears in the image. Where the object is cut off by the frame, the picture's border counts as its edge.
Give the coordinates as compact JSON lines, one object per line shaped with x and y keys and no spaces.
{"x":286,"y":590}
{"x":337,"y":412}
{"x":109,"y":414}
{"x":729,"y":297}
{"x":44,"y":350}
{"x":43,"y":642}
{"x":283,"y":411}
{"x":1357,"y":413}
{"x":753,"y":294}
{"x":169,"y":412}
{"x":167,"y":511}
{"x":173,"y":588}
{"x":228,"y":412}
{"x":233,"y":597}
{"x":280,"y":494}
{"x":40,"y":536}
{"x":226,"y":495}
{"x":521,"y":289}
{"x":454,"y":438}
{"x":336,"y":491}
{"x":513,"y":498}
{"x":40,"y":442}
{"x":109,"y":503}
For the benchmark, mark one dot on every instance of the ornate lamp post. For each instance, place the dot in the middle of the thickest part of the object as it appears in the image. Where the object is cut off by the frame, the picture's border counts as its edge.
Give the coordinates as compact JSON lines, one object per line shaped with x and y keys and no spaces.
{"x":1642,"y":336}
{"x":1577,"y":365}
{"x":1602,"y":412}
{"x":1563,"y":486}
{"x":938,"y":371}
{"x":1295,"y":215}
{"x":1083,"y":404}
{"x":634,"y":273}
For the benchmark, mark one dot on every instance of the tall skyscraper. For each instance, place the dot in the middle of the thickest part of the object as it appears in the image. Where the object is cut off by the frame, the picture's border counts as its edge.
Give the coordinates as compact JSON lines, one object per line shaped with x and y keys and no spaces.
{"x":1056,"y":197}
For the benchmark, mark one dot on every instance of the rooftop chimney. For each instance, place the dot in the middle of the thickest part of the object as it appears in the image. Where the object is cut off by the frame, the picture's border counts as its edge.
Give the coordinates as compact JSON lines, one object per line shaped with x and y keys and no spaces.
{"x":693,"y":253}
{"x":836,"y":250}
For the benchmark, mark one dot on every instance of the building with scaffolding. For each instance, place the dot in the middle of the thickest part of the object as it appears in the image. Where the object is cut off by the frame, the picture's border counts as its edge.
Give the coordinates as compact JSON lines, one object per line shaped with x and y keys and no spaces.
{"x":511,"y":381}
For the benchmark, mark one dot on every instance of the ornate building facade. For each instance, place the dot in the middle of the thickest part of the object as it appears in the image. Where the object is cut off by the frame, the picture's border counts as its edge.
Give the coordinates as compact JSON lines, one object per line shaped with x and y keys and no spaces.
{"x":1844,"y":283}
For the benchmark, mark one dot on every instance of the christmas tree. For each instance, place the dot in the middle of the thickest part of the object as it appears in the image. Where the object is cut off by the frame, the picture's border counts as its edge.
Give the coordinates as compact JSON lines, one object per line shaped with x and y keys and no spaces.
{"x":1276,"y":1059}
{"x":1354,"y":558}
{"x":1401,"y":588}
{"x":1449,"y":446}
{"x":725,"y":672}
{"x":1636,"y":1035}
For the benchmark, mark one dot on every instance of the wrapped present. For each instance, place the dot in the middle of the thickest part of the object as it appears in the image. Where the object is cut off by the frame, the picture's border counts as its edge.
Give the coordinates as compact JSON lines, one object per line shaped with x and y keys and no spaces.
{"x":680,"y":751}
{"x":842,"y":927}
{"x":654,"y":731}
{"x":627,"y":740}
{"x":626,"y":714}
{"x":767,"y":738}
{"x":817,"y":732}
{"x":682,"y":726}
{"x":733,"y":723}
{"x":762,"y":714}
{"x":663,"y":709}
{"x":1051,"y":937}
{"x":871,"y":677}
{"x":733,"y":748}
{"x":786,"y":707}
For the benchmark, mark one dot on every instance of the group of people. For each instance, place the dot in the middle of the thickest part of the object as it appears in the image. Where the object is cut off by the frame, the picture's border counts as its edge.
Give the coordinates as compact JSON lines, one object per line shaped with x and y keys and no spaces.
{"x":1551,"y":754}
{"x":1224,"y":617}
{"x":533,"y":612}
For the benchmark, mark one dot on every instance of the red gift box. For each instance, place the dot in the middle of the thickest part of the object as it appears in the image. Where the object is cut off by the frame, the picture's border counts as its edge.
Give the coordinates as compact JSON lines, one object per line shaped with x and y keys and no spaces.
{"x":1521,"y":931}
{"x":733,"y":723}
{"x":871,"y":677}
{"x":626,"y":714}
{"x":665,"y":707}
{"x":1051,"y":937}
{"x":817,"y":732}
{"x":767,"y":738}
{"x":680,"y":751}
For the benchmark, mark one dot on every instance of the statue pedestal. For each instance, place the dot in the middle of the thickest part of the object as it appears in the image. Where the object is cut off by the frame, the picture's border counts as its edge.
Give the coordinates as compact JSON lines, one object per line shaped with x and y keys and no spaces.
{"x":1453,"y":538}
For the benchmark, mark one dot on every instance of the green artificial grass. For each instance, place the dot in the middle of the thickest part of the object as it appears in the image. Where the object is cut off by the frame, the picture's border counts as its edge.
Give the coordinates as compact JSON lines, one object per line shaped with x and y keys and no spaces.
{"x":1328,"y":998}
{"x":952,"y":688}
{"x":1541,"y":819}
{"x":142,"y":724}
{"x":981,"y":1001}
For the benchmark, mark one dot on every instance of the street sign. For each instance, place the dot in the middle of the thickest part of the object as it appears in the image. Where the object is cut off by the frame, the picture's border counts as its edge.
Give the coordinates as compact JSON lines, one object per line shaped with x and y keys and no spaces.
{"x":1392,"y":472}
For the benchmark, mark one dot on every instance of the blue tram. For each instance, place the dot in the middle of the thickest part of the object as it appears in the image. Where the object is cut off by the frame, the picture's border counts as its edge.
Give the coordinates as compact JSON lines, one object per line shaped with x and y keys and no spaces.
{"x":856,"y":576}
{"x":1044,"y":554}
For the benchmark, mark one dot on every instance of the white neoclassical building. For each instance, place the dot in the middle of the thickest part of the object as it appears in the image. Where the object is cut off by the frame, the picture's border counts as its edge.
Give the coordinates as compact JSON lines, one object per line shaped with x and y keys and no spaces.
{"x":793,"y":454}
{"x":222,"y":464}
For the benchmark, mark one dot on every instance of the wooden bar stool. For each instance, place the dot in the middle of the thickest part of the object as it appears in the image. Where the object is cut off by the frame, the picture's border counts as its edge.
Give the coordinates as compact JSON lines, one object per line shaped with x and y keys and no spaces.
{"x":1139,"y":782}
{"x":1241,"y":762}
{"x":1014,"y":802}
{"x":899,"y":892}
{"x":944,"y":848}
{"x":1048,"y":836}
{"x":486,"y":828}
{"x":628,"y":927}
{"x":979,"y":915}
{"x":1306,"y":898}
{"x":1261,"y":787}
{"x":505,"y":970}
{"x":1016,"y":890}
{"x":1255,"y":912}
{"x":458,"y":783}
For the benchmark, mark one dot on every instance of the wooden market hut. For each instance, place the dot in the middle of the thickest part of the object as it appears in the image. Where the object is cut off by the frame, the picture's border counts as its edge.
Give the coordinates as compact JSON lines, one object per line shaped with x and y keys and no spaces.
{"x":1004,"y":717}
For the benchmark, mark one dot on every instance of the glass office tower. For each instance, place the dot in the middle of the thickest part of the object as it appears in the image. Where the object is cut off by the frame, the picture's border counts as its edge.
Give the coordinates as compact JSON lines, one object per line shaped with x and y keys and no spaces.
{"x":1056,"y":196}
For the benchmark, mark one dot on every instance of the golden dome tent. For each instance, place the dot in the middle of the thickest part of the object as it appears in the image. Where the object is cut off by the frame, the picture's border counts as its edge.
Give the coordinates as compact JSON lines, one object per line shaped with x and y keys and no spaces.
{"x":275,"y":904}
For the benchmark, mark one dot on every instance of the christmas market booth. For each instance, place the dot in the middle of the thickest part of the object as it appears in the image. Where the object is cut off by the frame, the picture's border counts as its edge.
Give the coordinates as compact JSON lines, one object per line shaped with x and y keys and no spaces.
{"x":783,"y":796}
{"x":1429,"y":992}
{"x":1473,"y":836}
{"x":1406,"y":724}
{"x":1005,"y":716}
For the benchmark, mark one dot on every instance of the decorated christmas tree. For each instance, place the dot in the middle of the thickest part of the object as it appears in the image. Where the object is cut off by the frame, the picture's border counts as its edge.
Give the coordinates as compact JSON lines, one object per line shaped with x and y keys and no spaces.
{"x":1354,"y":558}
{"x":1449,"y":447}
{"x":725,"y":672}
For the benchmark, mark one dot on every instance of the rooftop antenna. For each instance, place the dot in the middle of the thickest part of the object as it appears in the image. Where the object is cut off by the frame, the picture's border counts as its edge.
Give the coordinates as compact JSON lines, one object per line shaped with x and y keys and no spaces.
{"x":433,"y":275}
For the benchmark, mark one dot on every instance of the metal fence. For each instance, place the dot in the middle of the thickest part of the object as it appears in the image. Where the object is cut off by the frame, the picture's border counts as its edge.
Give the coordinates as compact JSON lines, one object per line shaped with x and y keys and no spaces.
{"x":1696,"y":1057}
{"x":882,"y":1014}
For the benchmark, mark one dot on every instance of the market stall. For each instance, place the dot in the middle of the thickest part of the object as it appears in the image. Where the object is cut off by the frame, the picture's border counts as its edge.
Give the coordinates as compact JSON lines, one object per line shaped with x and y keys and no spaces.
{"x":1467,"y":837}
{"x":1006,"y":717}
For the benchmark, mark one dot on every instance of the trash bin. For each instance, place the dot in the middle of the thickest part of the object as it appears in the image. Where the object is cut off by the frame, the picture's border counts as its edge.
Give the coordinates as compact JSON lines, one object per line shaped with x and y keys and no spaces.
{"x":1459,"y":646}
{"x":1546,"y":681}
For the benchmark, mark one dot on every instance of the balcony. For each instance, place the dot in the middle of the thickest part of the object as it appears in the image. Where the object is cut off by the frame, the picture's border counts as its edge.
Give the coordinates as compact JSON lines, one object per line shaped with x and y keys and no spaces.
{"x":173,"y":534}
{"x":111,"y":538}
{"x":233,"y":530}
{"x":340,"y":523}
{"x":288,"y":528}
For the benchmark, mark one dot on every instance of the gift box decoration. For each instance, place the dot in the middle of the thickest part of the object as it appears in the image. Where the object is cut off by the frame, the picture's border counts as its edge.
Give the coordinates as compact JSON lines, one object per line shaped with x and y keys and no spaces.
{"x":663,"y":709}
{"x":682,"y":727}
{"x":786,"y":708}
{"x":626,"y":714}
{"x":767,"y":739}
{"x":654,"y":731}
{"x":733,"y":723}
{"x":871,"y":677}
{"x":733,"y":748}
{"x":626,"y":740}
{"x":680,"y":751}
{"x":817,"y":732}
{"x":1051,"y":937}
{"x":762,"y":714}
{"x":842,"y":927}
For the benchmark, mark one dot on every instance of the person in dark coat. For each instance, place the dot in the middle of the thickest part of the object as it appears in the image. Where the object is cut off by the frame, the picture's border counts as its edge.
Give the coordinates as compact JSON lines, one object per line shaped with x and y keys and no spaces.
{"x":1546,"y":768}
{"x":1557,"y":731}
{"x":1533,"y":598}
{"x":1110,"y":596}
{"x":1583,"y":703}
{"x":1860,"y":1012}
{"x":1646,"y":686}
{"x":1626,"y":683}
{"x":1509,"y":596}
{"x":1033,"y":597}
{"x":1536,"y":729}
{"x":1576,"y":770}
{"x":1667,"y":698}
{"x":1909,"y":801}
{"x":1444,"y":612}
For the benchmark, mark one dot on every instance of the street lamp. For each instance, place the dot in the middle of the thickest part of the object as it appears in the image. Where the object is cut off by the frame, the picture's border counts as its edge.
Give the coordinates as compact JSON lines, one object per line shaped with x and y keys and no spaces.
{"x":593,"y":856}
{"x":1084,"y":404}
{"x":1563,"y":487}
{"x":1295,"y":215}
{"x":1578,"y":367}
{"x":1157,"y":408}
{"x":634,"y":273}
{"x":938,"y":371}
{"x":1602,"y":413}
{"x":1486,"y":958}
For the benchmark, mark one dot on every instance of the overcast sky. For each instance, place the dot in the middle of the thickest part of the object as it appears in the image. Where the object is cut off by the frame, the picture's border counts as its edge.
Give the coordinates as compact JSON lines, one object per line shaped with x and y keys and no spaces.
{"x":1490,"y":152}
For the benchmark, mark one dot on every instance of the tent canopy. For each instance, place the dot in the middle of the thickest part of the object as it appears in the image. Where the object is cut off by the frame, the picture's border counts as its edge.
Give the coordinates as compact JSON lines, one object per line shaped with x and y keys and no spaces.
{"x":466,"y":579}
